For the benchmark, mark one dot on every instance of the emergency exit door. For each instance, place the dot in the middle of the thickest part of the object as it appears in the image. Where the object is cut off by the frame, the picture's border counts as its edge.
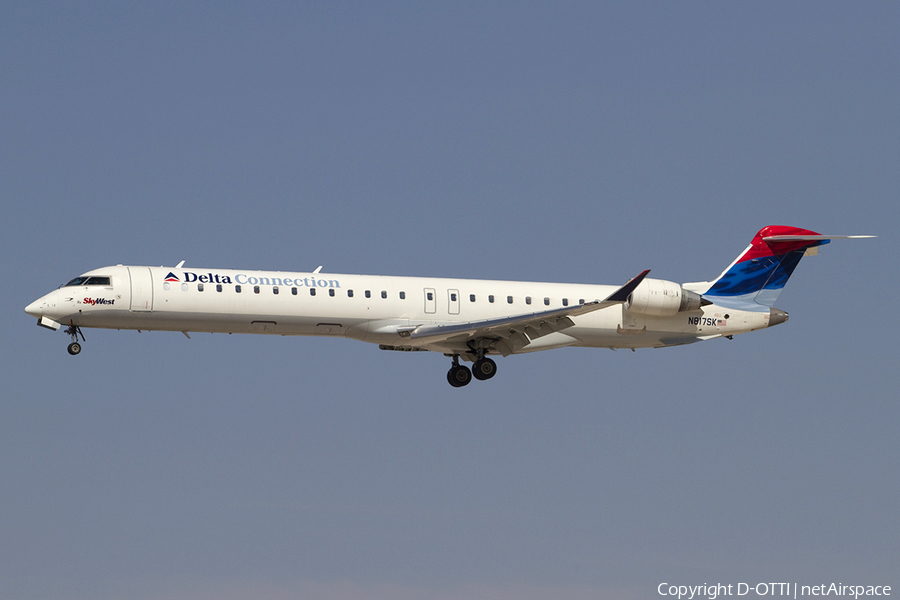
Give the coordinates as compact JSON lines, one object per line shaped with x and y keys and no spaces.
{"x":430,"y":301}
{"x":453,"y":302}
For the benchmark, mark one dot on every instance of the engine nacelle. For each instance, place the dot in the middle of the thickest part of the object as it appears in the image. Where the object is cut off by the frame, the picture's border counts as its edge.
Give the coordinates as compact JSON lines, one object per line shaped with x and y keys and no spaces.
{"x":659,"y":298}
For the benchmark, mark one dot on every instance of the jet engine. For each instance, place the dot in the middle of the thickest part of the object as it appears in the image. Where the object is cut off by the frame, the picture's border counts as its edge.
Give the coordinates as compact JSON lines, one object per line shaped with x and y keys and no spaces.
{"x":659,"y":298}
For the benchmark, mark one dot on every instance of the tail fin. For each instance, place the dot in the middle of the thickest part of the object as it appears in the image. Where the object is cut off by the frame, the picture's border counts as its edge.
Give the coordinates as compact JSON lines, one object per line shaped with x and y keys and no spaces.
{"x":754,"y":280}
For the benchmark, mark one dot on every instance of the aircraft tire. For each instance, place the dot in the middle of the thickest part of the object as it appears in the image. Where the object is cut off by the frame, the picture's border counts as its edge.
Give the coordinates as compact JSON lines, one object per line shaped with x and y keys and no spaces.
{"x":459,"y":376}
{"x":74,"y":348}
{"x":484,"y":369}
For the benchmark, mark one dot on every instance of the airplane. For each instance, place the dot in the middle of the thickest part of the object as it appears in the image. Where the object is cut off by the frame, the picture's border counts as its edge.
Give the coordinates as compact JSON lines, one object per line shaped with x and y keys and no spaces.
{"x":467,"y":320}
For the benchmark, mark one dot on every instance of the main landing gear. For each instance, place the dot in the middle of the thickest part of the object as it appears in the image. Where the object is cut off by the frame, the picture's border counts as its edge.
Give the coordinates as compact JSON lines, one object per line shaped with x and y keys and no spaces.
{"x":74,"y":331}
{"x":460,"y":375}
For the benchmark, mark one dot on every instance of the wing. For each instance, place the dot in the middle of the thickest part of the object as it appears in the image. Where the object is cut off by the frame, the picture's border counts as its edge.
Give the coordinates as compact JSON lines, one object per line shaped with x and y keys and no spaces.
{"x":509,"y":334}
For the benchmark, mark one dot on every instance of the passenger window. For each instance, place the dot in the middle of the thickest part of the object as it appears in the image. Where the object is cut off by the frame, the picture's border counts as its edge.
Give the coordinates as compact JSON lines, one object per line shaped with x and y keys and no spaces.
{"x":509,"y":299}
{"x":581,"y":301}
{"x":527,"y":299}
{"x":312,"y":291}
{"x":255,"y":289}
{"x":403,"y":295}
{"x":430,"y":296}
{"x":331,"y":292}
{"x":166,"y":286}
{"x":368,"y":294}
{"x":452,"y":297}
{"x":546,"y":301}
{"x":275,"y":290}
{"x":183,"y":287}
{"x":294,"y":291}
{"x":218,"y":287}
{"x":491,"y":298}
{"x":199,"y":287}
{"x":349,"y":293}
{"x":383,"y":294}
{"x":565,"y":301}
{"x":471,"y":297}
{"x":237,"y":289}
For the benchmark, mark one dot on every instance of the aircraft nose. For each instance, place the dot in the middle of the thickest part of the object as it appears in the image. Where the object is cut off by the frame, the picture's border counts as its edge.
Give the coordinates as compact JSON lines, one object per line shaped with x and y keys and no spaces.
{"x":36,"y":308}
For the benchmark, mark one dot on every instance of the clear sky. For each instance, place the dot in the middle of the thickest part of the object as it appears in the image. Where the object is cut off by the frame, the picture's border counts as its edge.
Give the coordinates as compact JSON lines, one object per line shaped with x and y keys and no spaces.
{"x":578,"y":142}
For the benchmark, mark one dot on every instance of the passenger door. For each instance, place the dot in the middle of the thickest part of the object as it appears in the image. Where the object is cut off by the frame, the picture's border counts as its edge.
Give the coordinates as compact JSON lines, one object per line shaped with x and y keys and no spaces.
{"x":141,"y":283}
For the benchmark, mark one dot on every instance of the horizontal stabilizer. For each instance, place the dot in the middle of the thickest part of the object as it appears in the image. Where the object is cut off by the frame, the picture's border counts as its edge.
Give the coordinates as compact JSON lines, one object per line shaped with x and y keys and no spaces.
{"x":811,"y":238}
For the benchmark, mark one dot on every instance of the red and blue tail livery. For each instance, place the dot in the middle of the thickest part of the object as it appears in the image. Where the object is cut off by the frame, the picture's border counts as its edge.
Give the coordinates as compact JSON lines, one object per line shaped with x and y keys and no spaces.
{"x":755,"y":279}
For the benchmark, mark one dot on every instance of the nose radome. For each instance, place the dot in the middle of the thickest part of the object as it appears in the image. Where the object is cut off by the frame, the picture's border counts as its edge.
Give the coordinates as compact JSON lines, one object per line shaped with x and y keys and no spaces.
{"x":36,"y":308}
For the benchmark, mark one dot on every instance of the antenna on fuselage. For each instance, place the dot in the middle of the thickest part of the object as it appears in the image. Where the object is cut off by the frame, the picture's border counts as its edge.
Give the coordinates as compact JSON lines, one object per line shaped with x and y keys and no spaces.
{"x":179,"y":265}
{"x":319,"y":268}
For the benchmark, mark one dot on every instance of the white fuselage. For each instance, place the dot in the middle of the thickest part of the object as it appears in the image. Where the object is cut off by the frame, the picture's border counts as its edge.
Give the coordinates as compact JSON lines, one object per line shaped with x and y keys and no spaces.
{"x":377,"y":309}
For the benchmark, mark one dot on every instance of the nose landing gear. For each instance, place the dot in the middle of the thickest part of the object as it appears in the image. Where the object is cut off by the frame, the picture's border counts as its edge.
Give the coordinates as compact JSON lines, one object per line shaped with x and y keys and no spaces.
{"x":74,"y":331}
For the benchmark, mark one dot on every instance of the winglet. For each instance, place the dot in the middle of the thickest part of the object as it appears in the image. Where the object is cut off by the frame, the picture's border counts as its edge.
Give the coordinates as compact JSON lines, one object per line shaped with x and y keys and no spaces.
{"x":621,"y":294}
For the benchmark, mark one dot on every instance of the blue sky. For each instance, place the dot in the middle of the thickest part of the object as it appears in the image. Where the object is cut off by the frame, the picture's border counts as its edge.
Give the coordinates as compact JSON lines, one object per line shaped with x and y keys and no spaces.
{"x":579,"y":142}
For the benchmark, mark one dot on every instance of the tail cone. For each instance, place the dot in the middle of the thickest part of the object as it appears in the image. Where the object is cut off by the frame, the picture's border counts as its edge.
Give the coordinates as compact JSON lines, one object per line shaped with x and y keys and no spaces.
{"x":777,"y":316}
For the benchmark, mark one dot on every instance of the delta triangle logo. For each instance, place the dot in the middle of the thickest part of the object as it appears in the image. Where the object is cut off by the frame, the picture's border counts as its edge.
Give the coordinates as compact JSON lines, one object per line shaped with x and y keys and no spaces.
{"x":172,"y":277}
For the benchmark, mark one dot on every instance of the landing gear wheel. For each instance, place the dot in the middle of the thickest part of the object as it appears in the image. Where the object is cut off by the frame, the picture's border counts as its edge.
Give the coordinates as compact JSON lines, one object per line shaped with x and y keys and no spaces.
{"x":459,"y":376}
{"x":73,"y":331}
{"x":484,"y":369}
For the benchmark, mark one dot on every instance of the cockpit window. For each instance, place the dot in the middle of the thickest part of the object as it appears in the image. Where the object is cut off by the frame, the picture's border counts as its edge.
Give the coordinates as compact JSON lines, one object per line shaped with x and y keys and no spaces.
{"x":92,"y":280}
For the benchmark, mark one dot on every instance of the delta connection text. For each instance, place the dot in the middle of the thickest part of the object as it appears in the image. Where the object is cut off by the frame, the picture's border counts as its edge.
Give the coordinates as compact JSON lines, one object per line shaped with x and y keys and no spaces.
{"x":794,"y":590}
{"x":243,"y":279}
